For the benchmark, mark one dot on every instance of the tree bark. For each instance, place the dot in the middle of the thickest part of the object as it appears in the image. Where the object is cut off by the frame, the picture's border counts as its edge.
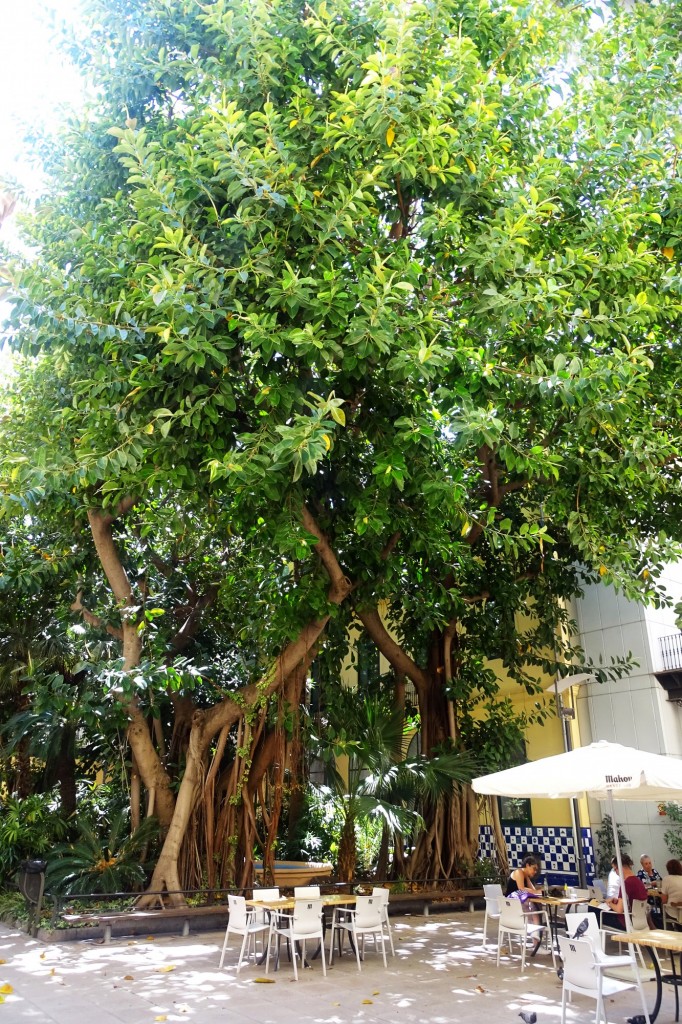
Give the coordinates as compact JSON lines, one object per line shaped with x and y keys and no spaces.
{"x":151,"y":768}
{"x":449,"y":842}
{"x":207,"y":724}
{"x":347,"y":850}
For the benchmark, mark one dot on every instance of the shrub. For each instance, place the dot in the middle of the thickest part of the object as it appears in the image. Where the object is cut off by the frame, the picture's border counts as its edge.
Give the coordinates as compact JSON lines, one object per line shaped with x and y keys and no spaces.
{"x":92,"y":865}
{"x":604,"y":850}
{"x":28,"y":828}
{"x":673,"y":836}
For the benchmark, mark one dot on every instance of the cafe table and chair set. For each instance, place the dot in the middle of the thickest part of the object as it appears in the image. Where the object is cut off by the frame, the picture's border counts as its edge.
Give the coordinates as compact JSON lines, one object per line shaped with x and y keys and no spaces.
{"x":301,"y":919}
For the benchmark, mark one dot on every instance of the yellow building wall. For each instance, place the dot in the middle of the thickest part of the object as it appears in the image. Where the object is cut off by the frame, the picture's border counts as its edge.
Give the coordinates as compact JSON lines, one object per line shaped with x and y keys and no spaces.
{"x":543,"y":739}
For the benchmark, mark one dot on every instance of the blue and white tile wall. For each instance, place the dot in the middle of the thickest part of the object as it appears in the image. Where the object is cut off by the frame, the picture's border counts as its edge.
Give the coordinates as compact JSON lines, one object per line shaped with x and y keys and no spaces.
{"x":554,"y":846}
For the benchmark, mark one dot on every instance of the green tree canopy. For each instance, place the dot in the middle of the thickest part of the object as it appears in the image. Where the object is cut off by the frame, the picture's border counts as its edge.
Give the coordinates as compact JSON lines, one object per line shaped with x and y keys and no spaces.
{"x":392,"y":288}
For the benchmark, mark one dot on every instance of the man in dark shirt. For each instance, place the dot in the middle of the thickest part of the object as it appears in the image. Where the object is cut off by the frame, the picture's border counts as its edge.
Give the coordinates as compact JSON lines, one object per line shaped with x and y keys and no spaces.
{"x":634,"y":889}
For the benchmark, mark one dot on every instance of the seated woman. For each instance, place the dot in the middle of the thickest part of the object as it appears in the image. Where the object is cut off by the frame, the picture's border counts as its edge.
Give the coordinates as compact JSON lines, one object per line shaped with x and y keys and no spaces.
{"x":671,"y":890}
{"x":634,"y":890}
{"x":521,"y":880}
{"x":651,"y":878}
{"x":648,"y":872}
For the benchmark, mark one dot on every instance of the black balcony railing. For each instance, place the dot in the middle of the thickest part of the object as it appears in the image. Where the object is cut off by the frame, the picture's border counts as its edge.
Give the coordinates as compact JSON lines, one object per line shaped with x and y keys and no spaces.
{"x":671,"y":651}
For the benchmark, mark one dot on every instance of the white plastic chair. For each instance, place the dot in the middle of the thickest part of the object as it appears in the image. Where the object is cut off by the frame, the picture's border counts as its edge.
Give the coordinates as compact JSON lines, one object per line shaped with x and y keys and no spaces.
{"x":378,"y":892}
{"x":366,"y":918}
{"x":493,"y":898}
{"x":672,"y":915}
{"x":306,"y":892}
{"x":595,"y":937}
{"x":639,"y":914}
{"x":514,"y":920}
{"x":305,"y":923}
{"x":266,"y":895}
{"x":585,"y":975}
{"x":640,"y":922}
{"x":247,"y":922}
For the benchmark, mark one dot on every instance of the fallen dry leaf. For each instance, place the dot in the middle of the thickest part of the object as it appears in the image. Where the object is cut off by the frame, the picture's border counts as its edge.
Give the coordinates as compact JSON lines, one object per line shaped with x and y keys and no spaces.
{"x":264,"y":981}
{"x":128,"y":977}
{"x":2,"y":999}
{"x":479,"y":988}
{"x":377,"y":993}
{"x":6,"y":989}
{"x":4,"y":961}
{"x":162,"y":1016}
{"x":367,"y":1002}
{"x":150,"y":938}
{"x":52,"y":972}
{"x":165,"y":970}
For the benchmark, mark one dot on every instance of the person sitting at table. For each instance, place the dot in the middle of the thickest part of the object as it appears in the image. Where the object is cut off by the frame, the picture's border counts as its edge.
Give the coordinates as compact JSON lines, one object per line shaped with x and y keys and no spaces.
{"x":648,"y":872}
{"x":634,"y":890}
{"x":521,"y":880}
{"x":671,"y":890}
{"x":613,"y":881}
{"x":650,"y":877}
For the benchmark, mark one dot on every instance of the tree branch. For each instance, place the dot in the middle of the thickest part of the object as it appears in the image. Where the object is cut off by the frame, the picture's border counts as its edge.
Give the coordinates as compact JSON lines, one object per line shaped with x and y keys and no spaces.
{"x":189,"y":628}
{"x":341,"y":586}
{"x":388,"y":548}
{"x":392,"y":651}
{"x":100,"y":525}
{"x":122,"y":509}
{"x":94,"y":620}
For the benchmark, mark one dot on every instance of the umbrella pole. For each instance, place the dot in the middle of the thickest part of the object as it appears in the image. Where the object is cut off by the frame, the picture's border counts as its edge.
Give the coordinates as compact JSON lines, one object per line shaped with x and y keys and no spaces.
{"x":626,"y":908}
{"x":614,"y":826}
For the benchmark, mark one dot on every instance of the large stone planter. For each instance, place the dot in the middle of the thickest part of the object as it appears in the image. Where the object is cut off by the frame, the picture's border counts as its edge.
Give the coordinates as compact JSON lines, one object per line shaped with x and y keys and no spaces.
{"x":295,"y":872}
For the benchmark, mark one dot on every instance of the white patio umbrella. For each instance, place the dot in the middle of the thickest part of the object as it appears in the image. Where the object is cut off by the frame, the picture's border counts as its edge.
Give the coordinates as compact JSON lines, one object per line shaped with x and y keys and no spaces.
{"x":606,"y":771}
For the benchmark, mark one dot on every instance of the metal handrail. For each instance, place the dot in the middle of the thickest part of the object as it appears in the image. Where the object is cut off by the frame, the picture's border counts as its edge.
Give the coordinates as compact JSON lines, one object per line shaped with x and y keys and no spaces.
{"x":60,"y":900}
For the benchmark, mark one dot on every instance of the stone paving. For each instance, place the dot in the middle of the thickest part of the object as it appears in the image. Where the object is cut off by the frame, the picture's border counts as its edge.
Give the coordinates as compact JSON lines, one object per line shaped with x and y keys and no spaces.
{"x":440,"y":975}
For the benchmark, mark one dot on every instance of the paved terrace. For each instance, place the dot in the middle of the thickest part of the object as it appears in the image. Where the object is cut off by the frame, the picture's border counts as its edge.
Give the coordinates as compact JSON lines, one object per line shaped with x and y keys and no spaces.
{"x":439,"y":975}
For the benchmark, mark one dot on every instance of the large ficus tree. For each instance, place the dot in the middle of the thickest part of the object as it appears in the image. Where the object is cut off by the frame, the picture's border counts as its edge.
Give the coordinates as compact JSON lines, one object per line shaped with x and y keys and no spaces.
{"x":393,"y":288}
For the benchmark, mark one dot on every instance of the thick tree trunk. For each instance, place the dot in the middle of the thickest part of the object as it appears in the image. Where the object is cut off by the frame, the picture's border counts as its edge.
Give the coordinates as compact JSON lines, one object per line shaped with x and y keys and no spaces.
{"x":501,"y":858}
{"x":205,"y":727}
{"x":151,"y":768}
{"x":347,"y":850}
{"x":176,"y":813}
{"x":135,"y":795}
{"x":166,"y":875}
{"x":449,"y":843}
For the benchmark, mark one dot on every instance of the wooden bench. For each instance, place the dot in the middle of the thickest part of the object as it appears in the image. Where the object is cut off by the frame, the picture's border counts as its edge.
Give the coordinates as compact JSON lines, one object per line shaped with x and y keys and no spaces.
{"x":428,"y":896}
{"x":140,"y":918}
